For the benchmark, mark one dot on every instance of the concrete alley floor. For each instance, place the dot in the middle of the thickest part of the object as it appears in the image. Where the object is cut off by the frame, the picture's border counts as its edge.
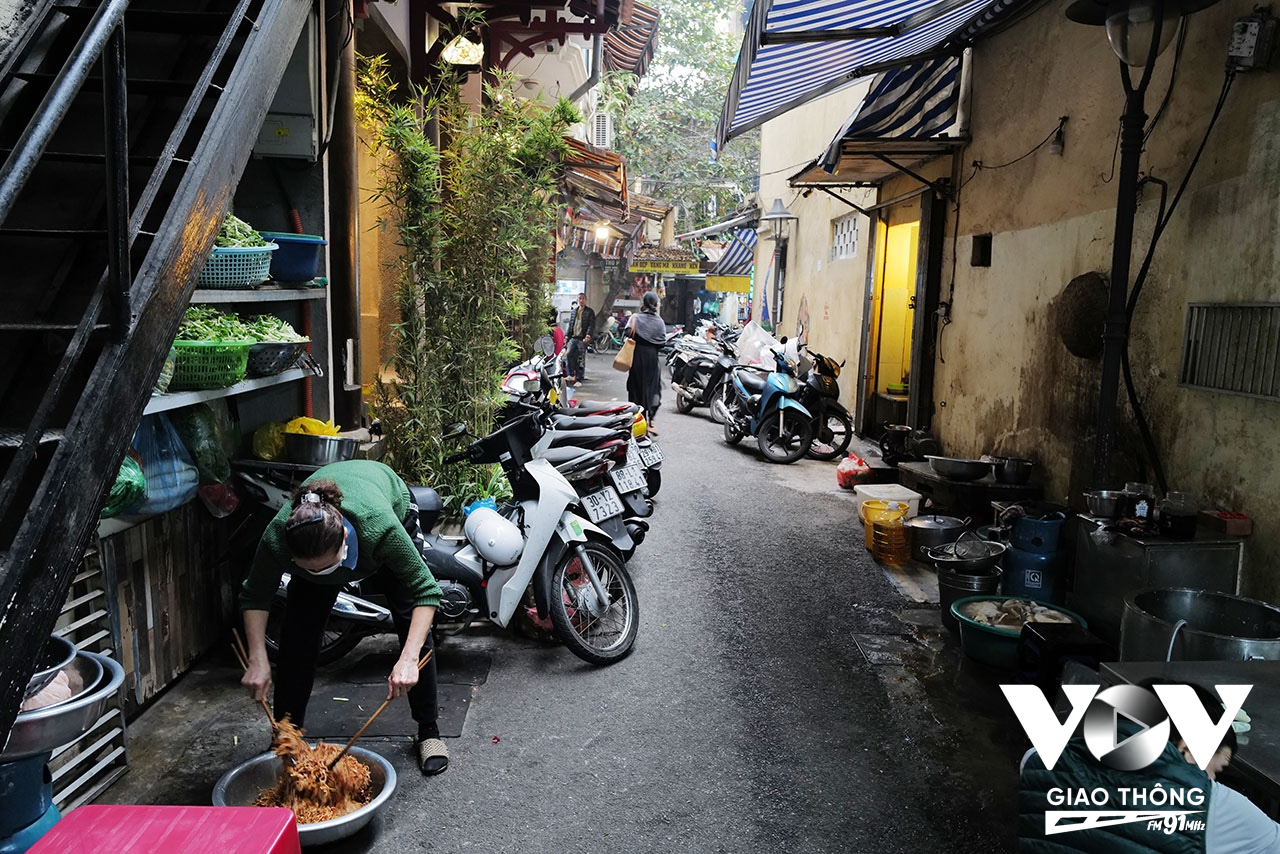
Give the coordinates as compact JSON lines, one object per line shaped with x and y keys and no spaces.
{"x":786,"y":694}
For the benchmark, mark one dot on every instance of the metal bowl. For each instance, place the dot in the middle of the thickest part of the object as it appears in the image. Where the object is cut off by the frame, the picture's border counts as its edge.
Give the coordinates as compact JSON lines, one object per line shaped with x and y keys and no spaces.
{"x":1104,"y":502}
{"x":945,"y":557}
{"x":240,"y":786}
{"x":1012,"y":469}
{"x":57,"y":654}
{"x":42,"y":730}
{"x":959,"y":469}
{"x":308,"y":450}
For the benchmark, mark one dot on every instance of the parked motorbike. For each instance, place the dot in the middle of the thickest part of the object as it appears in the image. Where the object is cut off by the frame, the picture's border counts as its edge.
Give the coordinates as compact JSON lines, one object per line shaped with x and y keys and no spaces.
{"x":832,"y":424}
{"x":699,"y":377}
{"x":767,"y":406}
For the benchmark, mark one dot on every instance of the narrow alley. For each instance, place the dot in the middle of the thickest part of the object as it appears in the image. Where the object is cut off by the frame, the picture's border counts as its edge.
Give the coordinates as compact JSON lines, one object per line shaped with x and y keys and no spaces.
{"x":783,"y":695}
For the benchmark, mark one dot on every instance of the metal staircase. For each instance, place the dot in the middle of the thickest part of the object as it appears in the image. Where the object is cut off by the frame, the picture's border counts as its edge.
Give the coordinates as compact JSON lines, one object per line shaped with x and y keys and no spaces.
{"x":124,"y":128}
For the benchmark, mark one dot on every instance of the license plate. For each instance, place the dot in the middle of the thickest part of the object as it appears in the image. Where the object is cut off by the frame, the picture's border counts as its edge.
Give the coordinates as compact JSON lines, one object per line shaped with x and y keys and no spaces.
{"x":633,"y":453}
{"x":602,"y":505}
{"x":628,"y":479}
{"x":651,"y":455}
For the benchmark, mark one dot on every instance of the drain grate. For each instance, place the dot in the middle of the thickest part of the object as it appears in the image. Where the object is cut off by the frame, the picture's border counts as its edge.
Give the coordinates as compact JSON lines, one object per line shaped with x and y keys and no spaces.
{"x":884,"y":649}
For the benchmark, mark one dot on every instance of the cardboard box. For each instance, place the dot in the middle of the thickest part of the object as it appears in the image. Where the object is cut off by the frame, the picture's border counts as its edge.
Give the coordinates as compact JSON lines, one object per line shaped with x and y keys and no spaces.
{"x":1232,"y":526}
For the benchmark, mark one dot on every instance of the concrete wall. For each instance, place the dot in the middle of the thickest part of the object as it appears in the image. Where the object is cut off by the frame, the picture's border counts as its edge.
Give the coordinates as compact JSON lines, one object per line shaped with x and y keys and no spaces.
{"x":833,"y":290}
{"x":1006,"y":382}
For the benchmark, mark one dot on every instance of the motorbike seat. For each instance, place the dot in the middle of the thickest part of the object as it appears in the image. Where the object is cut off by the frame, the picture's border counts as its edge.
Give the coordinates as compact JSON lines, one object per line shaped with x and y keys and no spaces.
{"x":441,"y":558}
{"x":752,"y":381}
{"x":579,"y":422}
{"x":566,"y":454}
{"x":588,"y":437}
{"x":430,"y":506}
{"x":594,"y":407}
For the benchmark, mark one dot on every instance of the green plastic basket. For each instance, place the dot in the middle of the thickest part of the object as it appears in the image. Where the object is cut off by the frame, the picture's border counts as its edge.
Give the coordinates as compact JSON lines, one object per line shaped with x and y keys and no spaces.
{"x":209,"y":364}
{"x":236,"y":266}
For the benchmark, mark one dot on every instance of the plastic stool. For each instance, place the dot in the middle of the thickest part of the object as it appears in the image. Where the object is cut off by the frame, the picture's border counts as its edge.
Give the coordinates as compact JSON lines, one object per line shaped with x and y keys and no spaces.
{"x":1043,"y":648}
{"x":111,"y":829}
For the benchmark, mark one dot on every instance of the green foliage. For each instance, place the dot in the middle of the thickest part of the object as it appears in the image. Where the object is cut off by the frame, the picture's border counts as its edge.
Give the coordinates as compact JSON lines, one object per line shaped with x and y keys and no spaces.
{"x":664,"y":127}
{"x":474,"y":219}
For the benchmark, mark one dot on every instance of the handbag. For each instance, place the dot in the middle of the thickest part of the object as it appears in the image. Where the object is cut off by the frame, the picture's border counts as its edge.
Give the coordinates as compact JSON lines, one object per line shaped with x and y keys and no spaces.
{"x":622,"y":361}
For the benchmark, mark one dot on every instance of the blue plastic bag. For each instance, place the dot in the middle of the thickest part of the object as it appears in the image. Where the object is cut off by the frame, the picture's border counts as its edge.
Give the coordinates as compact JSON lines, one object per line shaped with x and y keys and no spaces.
{"x":483,"y":502}
{"x":172,"y":478}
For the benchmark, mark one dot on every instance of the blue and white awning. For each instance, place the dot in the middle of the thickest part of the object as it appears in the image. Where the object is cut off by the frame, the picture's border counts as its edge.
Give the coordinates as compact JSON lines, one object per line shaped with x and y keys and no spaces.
{"x":797,"y":50}
{"x":738,"y":256}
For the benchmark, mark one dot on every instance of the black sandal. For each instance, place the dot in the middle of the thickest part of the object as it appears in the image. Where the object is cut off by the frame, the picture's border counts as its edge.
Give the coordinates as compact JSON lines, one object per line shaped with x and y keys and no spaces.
{"x":433,"y":755}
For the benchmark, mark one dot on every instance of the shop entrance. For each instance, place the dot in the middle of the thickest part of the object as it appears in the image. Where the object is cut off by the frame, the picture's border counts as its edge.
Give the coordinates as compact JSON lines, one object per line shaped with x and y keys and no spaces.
{"x":901,"y":296}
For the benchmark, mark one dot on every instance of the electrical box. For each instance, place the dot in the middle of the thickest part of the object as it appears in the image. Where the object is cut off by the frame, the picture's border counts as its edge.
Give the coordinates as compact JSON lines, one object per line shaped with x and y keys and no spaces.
{"x":1252,"y":38}
{"x":292,"y":126}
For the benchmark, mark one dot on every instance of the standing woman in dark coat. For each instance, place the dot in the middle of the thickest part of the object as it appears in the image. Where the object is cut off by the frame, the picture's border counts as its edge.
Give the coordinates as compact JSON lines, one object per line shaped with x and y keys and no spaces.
{"x":644,"y":380}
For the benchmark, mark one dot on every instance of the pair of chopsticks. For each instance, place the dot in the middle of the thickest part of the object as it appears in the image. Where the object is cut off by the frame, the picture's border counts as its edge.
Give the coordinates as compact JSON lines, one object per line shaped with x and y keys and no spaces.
{"x":242,"y":655}
{"x":372,"y":718}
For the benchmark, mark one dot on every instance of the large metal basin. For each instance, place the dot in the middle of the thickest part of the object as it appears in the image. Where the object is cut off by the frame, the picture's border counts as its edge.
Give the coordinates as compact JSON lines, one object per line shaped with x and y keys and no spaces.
{"x":1218,"y":627}
{"x":43,"y":730}
{"x":241,"y":786}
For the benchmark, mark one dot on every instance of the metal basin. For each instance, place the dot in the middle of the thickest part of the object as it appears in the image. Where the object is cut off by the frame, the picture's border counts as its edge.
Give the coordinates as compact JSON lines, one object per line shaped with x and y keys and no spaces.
{"x":1218,"y":627}
{"x":57,"y":654}
{"x":240,"y":786}
{"x":958,"y":469}
{"x":43,"y":730}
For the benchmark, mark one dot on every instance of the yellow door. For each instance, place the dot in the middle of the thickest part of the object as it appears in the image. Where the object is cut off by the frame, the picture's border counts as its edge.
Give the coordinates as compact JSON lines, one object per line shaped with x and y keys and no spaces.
{"x":892,"y":318}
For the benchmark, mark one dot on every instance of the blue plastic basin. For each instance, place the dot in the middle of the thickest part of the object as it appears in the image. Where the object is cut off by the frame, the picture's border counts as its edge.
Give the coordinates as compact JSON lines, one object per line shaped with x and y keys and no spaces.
{"x":298,"y":258}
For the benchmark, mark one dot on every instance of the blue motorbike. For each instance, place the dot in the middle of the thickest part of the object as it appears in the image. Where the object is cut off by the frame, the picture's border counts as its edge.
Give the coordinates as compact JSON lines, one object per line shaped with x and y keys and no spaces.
{"x":767,"y":406}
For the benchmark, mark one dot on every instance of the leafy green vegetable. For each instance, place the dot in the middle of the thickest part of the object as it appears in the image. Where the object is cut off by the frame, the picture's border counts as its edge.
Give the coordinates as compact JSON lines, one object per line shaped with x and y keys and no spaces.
{"x":237,"y":232}
{"x":268,"y":327}
{"x":206,"y":323}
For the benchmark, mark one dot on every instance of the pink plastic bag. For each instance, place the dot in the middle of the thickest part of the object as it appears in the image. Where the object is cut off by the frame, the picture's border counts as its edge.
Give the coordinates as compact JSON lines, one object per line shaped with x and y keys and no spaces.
{"x":851,"y":471}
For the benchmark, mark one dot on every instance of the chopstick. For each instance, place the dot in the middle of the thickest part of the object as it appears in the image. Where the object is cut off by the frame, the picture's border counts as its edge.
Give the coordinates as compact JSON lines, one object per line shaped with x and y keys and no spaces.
{"x":242,"y":656}
{"x":372,"y":718}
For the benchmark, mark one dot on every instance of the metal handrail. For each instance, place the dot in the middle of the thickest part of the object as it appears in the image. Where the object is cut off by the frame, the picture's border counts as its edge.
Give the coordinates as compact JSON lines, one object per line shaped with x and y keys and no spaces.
{"x":57,"y":101}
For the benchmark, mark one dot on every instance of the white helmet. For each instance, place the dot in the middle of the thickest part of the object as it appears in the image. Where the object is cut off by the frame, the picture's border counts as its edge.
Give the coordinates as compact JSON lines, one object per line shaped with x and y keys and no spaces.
{"x":495,"y":537}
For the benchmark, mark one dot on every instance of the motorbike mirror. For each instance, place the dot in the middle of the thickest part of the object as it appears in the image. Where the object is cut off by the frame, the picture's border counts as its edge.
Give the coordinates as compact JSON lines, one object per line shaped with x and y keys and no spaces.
{"x":453,"y":431}
{"x":782,"y":340}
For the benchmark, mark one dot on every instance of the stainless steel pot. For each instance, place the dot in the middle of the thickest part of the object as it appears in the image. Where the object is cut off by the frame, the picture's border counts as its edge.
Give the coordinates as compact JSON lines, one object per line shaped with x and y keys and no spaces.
{"x":1179,"y":624}
{"x":1012,"y":469}
{"x":926,"y":532}
{"x":1104,"y":502}
{"x":976,"y":556}
{"x":305,"y":449}
{"x":957,"y":469}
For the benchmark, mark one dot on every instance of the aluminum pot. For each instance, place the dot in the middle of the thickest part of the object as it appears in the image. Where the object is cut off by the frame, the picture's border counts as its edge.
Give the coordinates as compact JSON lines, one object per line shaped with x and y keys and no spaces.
{"x":957,"y":469}
{"x":1012,"y":469}
{"x":926,"y":532}
{"x":1104,"y":502}
{"x":944,"y":557}
{"x":305,"y":449}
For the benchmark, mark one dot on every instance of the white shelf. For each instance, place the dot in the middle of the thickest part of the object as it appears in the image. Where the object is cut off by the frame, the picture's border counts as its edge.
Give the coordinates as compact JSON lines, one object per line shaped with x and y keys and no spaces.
{"x":179,"y":399}
{"x":264,"y":294}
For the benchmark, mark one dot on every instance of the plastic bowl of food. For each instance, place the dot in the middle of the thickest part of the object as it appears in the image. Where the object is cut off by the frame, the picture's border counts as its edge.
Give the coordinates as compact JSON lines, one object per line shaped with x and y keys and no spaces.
{"x":241,"y":786}
{"x":993,"y":639}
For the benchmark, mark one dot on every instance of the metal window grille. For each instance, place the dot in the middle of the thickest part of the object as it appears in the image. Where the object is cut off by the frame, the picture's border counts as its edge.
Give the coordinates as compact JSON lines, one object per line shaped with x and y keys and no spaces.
{"x":844,"y":237}
{"x":1234,"y":348}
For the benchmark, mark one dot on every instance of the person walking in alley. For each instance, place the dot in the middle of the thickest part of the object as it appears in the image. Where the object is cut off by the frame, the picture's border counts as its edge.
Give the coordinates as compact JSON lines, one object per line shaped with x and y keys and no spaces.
{"x":644,"y":380}
{"x":348,"y":521}
{"x":581,"y":322}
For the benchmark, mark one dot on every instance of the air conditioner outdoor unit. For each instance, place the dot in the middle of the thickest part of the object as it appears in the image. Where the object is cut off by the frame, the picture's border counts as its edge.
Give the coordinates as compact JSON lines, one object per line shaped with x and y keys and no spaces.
{"x":602,"y":130}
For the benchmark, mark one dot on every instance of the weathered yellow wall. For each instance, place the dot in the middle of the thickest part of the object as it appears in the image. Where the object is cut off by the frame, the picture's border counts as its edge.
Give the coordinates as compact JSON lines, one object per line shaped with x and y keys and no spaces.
{"x":1008,"y":384}
{"x":834,"y":290}
{"x":378,"y":250}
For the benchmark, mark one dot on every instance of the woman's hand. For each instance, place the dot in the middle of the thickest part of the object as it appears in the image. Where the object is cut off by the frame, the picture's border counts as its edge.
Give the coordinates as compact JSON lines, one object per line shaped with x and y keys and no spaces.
{"x":403,"y":677}
{"x":257,"y":678}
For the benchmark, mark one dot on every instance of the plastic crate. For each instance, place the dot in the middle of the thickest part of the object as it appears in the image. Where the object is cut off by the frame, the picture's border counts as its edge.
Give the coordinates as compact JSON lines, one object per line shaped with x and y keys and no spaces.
{"x":232,"y":267}
{"x":268,"y":358}
{"x":209,"y":364}
{"x":299,"y":257}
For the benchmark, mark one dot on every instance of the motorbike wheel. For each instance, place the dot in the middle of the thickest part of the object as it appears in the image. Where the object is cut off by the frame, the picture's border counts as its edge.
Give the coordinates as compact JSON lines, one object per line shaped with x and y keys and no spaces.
{"x":732,"y":433}
{"x":784,"y":436}
{"x":684,"y":403}
{"x":653,"y":478}
{"x":339,"y":638}
{"x":836,"y":432}
{"x":599,"y":639}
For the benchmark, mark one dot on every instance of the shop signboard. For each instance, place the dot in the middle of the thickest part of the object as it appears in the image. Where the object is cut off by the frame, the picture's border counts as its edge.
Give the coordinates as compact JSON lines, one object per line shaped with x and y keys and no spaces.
{"x":656,"y":266}
{"x":729,"y":284}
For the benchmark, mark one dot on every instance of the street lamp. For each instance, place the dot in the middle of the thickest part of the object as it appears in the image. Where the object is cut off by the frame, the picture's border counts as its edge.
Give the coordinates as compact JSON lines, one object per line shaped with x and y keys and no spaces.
{"x":779,"y":220}
{"x":463,"y":51}
{"x":1137,"y":30}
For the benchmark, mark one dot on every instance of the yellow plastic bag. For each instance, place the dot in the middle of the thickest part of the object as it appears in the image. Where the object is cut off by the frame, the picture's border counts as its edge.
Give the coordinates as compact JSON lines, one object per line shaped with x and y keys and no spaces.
{"x":312,"y":427}
{"x":268,"y":442}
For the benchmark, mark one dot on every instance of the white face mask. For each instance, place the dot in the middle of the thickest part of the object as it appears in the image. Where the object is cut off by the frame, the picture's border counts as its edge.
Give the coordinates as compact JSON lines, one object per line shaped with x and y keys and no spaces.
{"x":342,"y":555}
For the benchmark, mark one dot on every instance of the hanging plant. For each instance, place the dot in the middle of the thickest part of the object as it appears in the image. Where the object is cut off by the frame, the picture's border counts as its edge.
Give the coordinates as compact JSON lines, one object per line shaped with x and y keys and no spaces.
{"x":474,"y":220}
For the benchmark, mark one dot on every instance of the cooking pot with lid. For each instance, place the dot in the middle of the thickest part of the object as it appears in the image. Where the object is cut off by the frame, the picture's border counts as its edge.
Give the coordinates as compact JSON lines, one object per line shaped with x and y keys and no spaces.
{"x":927,"y":532}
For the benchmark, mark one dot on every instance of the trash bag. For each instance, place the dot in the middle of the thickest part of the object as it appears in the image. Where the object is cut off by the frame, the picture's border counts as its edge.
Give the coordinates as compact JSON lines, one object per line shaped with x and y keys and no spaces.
{"x":220,"y":499}
{"x":852,"y":471}
{"x":756,"y":346}
{"x":198,"y":430}
{"x":130,"y":486}
{"x":171,"y":475}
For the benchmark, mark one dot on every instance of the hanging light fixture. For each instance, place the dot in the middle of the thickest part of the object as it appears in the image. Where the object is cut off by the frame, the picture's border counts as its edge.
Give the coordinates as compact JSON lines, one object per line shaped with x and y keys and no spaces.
{"x":1132,"y":25}
{"x":602,"y":230}
{"x":779,"y":219}
{"x":463,"y":51}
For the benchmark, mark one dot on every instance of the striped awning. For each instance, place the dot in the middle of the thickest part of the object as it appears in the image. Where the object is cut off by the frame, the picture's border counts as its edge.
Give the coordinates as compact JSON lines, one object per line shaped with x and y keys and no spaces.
{"x":797,"y":50}
{"x":739,"y":255}
{"x":629,"y":45}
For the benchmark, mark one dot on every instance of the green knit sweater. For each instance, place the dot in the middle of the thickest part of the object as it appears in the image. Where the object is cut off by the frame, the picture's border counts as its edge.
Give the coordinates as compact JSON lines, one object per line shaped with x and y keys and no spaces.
{"x":375,"y":501}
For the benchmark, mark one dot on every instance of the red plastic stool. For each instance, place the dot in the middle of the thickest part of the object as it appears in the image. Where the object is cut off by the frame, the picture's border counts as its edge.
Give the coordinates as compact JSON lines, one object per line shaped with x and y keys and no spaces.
{"x":111,"y":829}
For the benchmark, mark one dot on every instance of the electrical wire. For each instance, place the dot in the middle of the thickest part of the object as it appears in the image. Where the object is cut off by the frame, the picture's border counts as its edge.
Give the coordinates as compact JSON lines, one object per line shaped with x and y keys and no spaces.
{"x":1161,"y":223}
{"x":1062,"y":122}
{"x":1173,"y":76}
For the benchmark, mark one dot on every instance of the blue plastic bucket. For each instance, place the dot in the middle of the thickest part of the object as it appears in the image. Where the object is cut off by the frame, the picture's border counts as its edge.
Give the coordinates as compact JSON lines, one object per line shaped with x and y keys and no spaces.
{"x":297,"y":259}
